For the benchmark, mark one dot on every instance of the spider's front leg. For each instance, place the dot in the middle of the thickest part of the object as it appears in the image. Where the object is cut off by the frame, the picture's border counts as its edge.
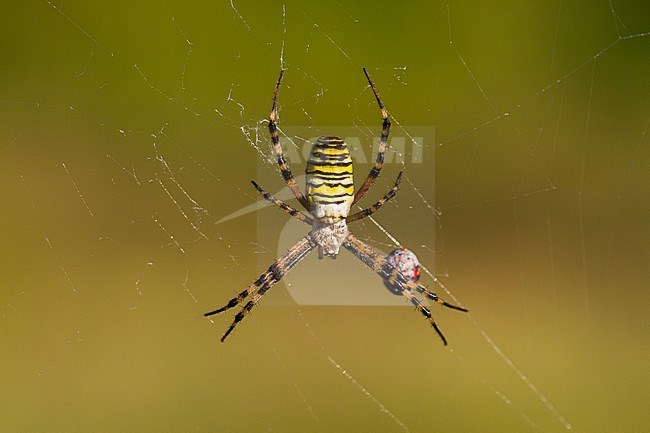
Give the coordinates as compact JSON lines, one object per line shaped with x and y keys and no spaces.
{"x":272,"y":275}
{"x":380,"y":265}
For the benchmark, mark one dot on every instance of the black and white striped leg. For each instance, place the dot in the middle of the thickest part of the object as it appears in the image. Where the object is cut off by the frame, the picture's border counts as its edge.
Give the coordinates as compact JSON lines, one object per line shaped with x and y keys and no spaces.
{"x":277,"y":149}
{"x":282,"y":205}
{"x":380,"y":265}
{"x":431,"y":295}
{"x":272,"y":275}
{"x":385,"y":130}
{"x":395,"y":277}
{"x":375,"y":207}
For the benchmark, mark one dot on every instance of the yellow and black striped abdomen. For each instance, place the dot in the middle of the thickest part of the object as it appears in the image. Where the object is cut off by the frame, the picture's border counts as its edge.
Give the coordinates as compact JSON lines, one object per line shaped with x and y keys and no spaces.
{"x":330,"y":186}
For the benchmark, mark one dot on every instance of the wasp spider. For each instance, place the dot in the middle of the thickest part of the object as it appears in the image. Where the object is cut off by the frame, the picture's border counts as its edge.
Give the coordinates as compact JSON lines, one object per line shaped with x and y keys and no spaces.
{"x":328,"y":199}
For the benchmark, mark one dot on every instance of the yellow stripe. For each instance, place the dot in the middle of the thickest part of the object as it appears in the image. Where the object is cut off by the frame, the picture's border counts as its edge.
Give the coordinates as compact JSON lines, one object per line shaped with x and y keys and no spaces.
{"x":331,"y":191}
{"x":330,"y":169}
{"x":330,"y":187}
{"x":332,"y":151}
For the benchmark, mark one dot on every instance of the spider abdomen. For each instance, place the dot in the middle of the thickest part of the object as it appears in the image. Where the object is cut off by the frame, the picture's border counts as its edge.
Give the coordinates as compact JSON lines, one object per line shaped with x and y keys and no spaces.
{"x":330,"y":185}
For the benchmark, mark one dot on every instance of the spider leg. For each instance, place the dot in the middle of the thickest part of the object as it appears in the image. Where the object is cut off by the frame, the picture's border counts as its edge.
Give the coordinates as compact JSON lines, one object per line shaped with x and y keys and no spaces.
{"x":431,"y":295}
{"x":277,"y":148}
{"x":385,"y":130}
{"x":282,"y":205}
{"x":372,"y":209}
{"x":272,"y":275}
{"x":395,"y":277}
{"x":380,"y":265}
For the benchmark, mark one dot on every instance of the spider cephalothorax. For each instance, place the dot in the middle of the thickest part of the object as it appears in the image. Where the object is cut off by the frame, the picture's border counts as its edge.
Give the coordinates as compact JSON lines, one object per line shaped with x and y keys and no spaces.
{"x":329,"y":196}
{"x":329,"y":236}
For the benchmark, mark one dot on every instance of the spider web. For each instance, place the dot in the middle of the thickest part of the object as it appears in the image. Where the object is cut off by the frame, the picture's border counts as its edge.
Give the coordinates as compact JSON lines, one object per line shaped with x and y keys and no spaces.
{"x":131,"y":131}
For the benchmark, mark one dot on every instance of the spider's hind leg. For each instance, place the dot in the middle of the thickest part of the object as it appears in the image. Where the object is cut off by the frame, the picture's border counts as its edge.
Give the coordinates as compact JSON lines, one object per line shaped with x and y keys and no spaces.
{"x":282,"y":205}
{"x":383,"y":143}
{"x":277,"y":149}
{"x":375,"y":207}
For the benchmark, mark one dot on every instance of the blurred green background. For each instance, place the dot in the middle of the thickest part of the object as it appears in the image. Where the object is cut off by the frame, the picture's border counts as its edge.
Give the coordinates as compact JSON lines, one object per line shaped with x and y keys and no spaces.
{"x":130,"y":129}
